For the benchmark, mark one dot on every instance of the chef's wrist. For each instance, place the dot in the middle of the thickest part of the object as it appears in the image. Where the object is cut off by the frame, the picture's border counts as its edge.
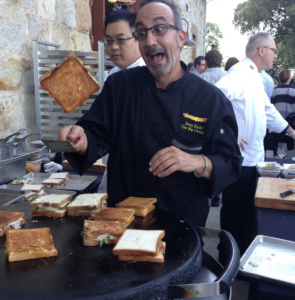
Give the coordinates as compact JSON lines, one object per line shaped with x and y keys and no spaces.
{"x":202,"y":166}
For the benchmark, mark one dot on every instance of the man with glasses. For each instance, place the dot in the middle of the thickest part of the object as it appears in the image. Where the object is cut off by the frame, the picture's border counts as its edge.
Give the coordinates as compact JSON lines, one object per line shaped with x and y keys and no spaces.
{"x":200,"y":65}
{"x":243,"y":87}
{"x":169,"y":134}
{"x":123,"y":51}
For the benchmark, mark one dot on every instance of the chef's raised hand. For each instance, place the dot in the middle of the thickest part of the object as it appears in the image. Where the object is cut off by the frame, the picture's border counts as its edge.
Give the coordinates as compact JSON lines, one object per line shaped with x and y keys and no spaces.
{"x":171,"y":159}
{"x":242,"y":142}
{"x":77,"y":135}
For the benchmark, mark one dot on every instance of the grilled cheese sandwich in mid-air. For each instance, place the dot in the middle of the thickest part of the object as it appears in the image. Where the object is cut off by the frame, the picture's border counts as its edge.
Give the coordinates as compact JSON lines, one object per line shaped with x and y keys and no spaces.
{"x":27,"y":244}
{"x":142,"y":206}
{"x":51,"y":205}
{"x":56,"y":183}
{"x":22,"y":181}
{"x":102,"y":232}
{"x":115,"y":214}
{"x":70,"y":83}
{"x":87,"y":204}
{"x":141,"y":245}
{"x":10,"y":220}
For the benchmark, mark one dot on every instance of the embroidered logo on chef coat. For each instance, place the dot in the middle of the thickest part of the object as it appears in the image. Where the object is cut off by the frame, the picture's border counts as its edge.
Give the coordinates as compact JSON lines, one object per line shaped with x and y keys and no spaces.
{"x":192,"y":126}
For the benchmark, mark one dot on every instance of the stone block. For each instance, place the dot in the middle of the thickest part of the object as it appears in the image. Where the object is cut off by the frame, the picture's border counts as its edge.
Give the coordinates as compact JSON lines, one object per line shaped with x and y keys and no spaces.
{"x":66,"y":13}
{"x":12,"y":28}
{"x":61,"y":34}
{"x":80,"y":41}
{"x":11,"y":73}
{"x":26,"y":4}
{"x":34,"y":27}
{"x":83,"y":17}
{"x":46,"y":9}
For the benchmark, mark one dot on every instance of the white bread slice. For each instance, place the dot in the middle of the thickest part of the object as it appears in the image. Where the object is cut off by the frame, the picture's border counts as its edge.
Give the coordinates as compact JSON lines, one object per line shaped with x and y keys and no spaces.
{"x":51,"y":200}
{"x":14,"y":256}
{"x":139,"y":242}
{"x":51,"y":214}
{"x":158,"y":259}
{"x":61,"y":175}
{"x":32,"y":187}
{"x":88,"y":202}
{"x":53,"y":182}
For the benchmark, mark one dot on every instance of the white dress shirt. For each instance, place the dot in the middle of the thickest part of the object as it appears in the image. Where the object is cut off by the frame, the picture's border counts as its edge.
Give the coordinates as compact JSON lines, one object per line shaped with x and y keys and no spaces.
{"x":243,"y":86}
{"x":139,"y":63}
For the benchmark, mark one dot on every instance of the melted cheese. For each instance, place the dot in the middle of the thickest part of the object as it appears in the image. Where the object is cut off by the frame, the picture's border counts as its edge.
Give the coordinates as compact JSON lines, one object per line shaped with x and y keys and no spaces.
{"x":49,"y":208}
{"x":13,"y":225}
{"x":26,"y":251}
{"x":104,"y":237}
{"x":91,"y":200}
{"x":50,"y":198}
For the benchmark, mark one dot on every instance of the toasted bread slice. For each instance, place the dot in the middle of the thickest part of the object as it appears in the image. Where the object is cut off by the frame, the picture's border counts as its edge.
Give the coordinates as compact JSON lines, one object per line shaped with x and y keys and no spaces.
{"x":70,"y":83}
{"x":87,"y":242}
{"x":142,"y":206}
{"x":158,"y":259}
{"x":32,"y":187}
{"x":139,"y":242}
{"x":14,"y":225}
{"x":51,"y":214}
{"x":61,"y":175}
{"x":113,"y":214}
{"x":88,"y":202}
{"x":94,"y":229}
{"x":7,"y":217}
{"x":29,"y":240}
{"x":19,"y":256}
{"x":52,"y":200}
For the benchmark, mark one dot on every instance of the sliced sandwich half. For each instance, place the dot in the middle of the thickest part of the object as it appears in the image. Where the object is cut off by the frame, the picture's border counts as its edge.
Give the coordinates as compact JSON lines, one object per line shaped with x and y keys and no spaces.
{"x":142,"y":206}
{"x":115,"y":214}
{"x":27,"y":244}
{"x":87,"y":204}
{"x":34,"y":195}
{"x":51,"y":205}
{"x":102,"y":232}
{"x":32,"y":187}
{"x":22,"y":181}
{"x":55,"y":183}
{"x":10,"y":220}
{"x":141,"y":245}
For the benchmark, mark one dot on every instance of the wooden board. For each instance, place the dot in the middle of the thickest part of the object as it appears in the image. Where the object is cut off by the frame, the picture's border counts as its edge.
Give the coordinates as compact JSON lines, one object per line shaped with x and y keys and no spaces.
{"x":268,"y":193}
{"x":97,"y":167}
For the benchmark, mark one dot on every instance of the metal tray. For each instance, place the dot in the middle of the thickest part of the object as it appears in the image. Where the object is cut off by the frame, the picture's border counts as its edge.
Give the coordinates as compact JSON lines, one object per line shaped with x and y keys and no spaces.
{"x":272,"y":258}
{"x":48,"y":191}
{"x":11,"y":196}
{"x":76,"y":182}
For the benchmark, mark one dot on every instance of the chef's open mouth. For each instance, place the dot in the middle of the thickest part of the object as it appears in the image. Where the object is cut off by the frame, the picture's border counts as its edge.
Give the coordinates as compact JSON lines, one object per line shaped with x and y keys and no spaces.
{"x":156,"y":57}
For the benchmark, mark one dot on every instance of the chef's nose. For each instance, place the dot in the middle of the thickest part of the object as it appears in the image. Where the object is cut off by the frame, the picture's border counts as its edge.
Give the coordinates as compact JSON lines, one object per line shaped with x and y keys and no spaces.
{"x":151,"y":40}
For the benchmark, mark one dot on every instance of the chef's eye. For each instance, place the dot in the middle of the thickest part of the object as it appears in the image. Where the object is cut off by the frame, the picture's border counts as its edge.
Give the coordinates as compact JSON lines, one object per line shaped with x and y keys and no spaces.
{"x":159,"y":29}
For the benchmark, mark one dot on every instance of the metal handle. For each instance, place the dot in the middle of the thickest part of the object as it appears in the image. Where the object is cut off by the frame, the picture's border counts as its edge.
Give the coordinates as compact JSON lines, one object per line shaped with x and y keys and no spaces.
{"x":22,"y":139}
{"x":285,"y":194}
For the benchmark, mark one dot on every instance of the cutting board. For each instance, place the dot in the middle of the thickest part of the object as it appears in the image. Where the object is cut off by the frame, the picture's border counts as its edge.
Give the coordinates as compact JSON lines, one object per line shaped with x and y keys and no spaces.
{"x":268,"y":193}
{"x":97,"y":167}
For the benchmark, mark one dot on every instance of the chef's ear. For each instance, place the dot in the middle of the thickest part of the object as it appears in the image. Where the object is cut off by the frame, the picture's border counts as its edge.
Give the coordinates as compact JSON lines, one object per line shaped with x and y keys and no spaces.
{"x":181,"y":38}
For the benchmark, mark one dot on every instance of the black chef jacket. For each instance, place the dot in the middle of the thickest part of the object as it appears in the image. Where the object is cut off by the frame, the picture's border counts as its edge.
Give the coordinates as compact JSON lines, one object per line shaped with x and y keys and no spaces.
{"x":132,"y":120}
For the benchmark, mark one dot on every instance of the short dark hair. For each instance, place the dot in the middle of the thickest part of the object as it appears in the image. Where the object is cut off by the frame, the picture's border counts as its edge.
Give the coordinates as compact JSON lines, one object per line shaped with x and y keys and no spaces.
{"x":284,"y":76}
{"x":190,"y":66}
{"x":230,"y":62}
{"x":121,"y":14}
{"x":198,"y":60}
{"x":172,"y":4}
{"x":213,"y":59}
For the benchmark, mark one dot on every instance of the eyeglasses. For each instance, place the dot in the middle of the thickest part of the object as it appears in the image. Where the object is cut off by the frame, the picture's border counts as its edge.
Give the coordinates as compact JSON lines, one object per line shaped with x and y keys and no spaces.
{"x":202,"y":64}
{"x":156,"y":30}
{"x":119,"y":41}
{"x":275,"y":51}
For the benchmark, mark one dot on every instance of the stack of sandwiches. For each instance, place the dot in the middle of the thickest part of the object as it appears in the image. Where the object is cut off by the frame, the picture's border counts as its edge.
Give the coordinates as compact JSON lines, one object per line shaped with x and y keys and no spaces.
{"x":54,"y":206}
{"x":125,"y":216}
{"x":141,"y":245}
{"x":142,"y":206}
{"x":56,"y":180}
{"x":22,"y":181}
{"x":10,"y":220}
{"x":102,"y":232}
{"x":27,"y":244}
{"x":87,"y":204}
{"x":36,"y":191}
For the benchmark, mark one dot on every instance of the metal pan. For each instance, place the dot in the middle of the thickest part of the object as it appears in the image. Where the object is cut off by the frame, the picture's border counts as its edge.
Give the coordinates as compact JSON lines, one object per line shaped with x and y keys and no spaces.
{"x":76,"y":182}
{"x":11,"y":196}
{"x":270,"y":259}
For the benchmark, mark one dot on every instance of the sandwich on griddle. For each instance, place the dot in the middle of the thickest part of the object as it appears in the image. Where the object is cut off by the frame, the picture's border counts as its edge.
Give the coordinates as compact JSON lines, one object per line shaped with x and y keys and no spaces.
{"x":34,"y":195}
{"x":102,"y":232}
{"x":56,"y":183}
{"x":21,"y":181}
{"x":141,"y":245}
{"x":70,"y":83}
{"x":142,"y":206}
{"x":114,"y":214}
{"x":51,"y":205}
{"x":37,"y":188}
{"x":27,"y":244}
{"x":87,"y":204}
{"x":60,"y":175}
{"x":10,"y":220}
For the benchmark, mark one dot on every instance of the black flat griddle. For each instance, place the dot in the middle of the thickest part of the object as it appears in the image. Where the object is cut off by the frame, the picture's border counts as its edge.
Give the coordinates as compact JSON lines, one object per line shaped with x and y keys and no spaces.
{"x":80,"y":272}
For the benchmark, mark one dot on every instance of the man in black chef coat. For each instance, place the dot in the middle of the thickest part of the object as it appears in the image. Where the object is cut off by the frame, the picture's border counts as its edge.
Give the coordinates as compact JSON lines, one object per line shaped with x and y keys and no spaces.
{"x":169,"y":134}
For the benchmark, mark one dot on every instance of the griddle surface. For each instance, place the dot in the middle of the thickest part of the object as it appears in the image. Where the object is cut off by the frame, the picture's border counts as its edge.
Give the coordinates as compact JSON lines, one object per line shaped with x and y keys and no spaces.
{"x":92,"y":272}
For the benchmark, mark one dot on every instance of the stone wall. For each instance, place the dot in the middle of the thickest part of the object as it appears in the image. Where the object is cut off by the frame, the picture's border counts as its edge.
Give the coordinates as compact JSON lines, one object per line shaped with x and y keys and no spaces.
{"x":194,"y":11}
{"x":65,"y":22}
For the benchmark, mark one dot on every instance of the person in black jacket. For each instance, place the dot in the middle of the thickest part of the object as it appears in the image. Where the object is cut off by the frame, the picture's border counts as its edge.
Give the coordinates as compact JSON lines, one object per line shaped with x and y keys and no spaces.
{"x":169,"y":134}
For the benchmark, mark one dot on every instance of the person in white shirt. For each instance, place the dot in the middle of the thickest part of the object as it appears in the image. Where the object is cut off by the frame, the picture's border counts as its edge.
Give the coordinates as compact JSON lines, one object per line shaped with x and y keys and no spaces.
{"x":124,"y":52}
{"x":213,"y":72}
{"x":243,"y":86}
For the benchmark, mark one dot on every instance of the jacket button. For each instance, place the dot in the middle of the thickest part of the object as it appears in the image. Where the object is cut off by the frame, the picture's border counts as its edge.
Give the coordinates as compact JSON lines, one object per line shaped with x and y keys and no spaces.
{"x":221,"y":131}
